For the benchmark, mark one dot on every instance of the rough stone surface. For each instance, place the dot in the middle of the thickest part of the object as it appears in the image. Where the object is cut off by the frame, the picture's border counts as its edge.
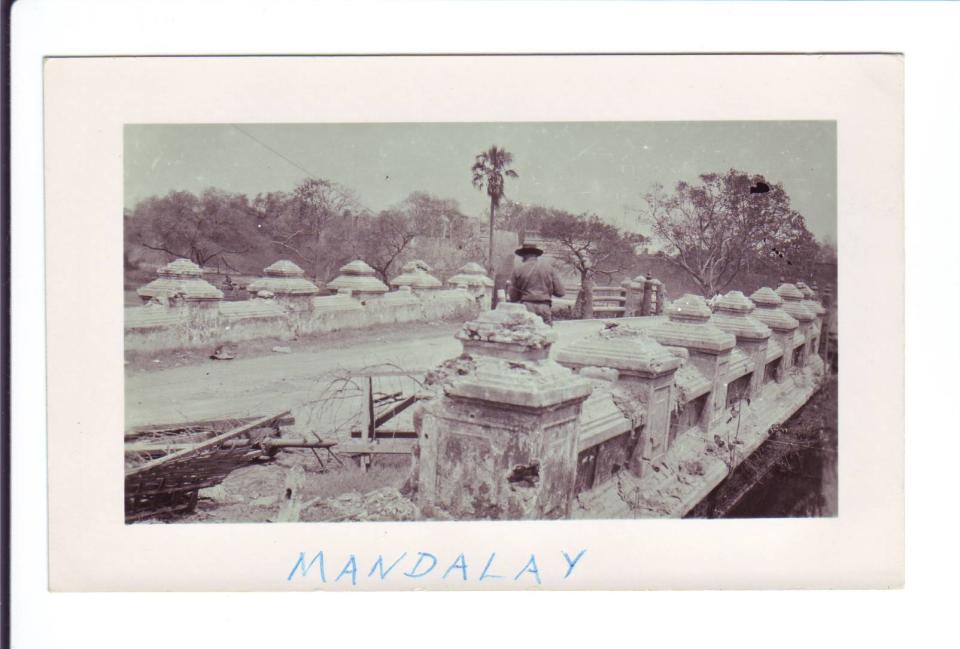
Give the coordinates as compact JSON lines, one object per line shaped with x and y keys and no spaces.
{"x":499,"y":440}
{"x":385,"y":504}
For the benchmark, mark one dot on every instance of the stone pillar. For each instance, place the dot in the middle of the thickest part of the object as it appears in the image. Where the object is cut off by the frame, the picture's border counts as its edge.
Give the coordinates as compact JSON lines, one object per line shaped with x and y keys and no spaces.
{"x":180,"y":284}
{"x":810,"y":301}
{"x":645,"y":369}
{"x":500,"y":442}
{"x":647,"y":295}
{"x":474,"y":278}
{"x":661,"y":298}
{"x":709,"y":348}
{"x":793,"y":305}
{"x":732,"y":315}
{"x":360,"y":279}
{"x":286,"y":281}
{"x":633,"y":306}
{"x":783,"y":326}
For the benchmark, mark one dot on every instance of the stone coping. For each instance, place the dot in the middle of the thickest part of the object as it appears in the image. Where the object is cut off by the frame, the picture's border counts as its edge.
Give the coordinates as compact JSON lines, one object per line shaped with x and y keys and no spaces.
{"x":358,"y":284}
{"x":283,"y":268}
{"x":283,"y":285}
{"x":416,"y":278}
{"x":623,"y":348}
{"x":766,"y":297}
{"x":511,"y":325}
{"x":789,"y":293}
{"x":689,"y":308}
{"x":696,"y":336}
{"x":733,"y":316}
{"x":520,"y":385}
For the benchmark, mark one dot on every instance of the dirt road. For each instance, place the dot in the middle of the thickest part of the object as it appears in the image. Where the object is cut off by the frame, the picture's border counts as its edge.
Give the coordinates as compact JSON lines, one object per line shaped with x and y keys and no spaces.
{"x":277,"y":381}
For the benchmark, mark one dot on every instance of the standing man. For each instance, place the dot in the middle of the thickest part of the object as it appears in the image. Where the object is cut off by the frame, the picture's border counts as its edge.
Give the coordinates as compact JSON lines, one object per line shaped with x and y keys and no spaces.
{"x":535,"y":283}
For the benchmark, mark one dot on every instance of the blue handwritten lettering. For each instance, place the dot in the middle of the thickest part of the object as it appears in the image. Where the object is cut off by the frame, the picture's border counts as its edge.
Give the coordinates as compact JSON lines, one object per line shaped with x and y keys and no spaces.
{"x":461,"y":563}
{"x":413,"y":571}
{"x":305,"y":568}
{"x":350,"y":567}
{"x":572,"y":563}
{"x":379,"y":563}
{"x":531,"y":567}
{"x":486,"y":568}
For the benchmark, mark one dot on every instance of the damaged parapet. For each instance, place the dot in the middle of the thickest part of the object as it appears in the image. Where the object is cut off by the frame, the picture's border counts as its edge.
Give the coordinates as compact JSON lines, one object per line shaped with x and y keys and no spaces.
{"x":358,"y":277}
{"x":645,"y":370}
{"x":810,"y":301}
{"x":709,"y":348}
{"x":286,"y":281}
{"x":181,"y":281}
{"x":499,"y":441}
{"x":793,"y":304}
{"x":732,"y":314}
{"x":783,"y":327}
{"x":474,"y":278}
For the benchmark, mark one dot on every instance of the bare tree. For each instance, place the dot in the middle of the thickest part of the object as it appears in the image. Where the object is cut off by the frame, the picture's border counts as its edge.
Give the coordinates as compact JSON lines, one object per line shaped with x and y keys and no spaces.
{"x":590,"y":247}
{"x":304,"y":224}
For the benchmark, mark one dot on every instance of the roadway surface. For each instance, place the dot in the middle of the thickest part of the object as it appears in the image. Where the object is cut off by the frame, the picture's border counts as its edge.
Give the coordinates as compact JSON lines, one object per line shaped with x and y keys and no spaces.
{"x":269,"y":383}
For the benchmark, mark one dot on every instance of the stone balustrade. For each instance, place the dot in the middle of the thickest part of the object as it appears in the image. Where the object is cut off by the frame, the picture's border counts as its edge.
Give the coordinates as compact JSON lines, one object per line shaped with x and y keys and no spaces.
{"x":184,"y":311}
{"x":664,"y":409}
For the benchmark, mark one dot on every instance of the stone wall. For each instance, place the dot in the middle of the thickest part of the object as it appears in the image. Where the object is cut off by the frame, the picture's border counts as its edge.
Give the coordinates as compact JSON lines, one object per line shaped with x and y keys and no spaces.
{"x":183,"y":311}
{"x":644,"y":418}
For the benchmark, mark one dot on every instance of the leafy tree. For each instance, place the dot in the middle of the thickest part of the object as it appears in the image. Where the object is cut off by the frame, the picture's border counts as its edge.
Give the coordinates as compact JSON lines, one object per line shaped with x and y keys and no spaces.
{"x":490,"y":169}
{"x":205,"y":229}
{"x":590,"y":247}
{"x":729,"y":223}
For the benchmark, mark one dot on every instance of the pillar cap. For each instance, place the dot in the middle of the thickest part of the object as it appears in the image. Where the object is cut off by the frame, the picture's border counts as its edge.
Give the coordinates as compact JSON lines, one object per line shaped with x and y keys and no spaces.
{"x":415,"y":277}
{"x":283,"y":277}
{"x":733,"y":316}
{"x":688,"y":326}
{"x":508,"y":327}
{"x":358,"y":277}
{"x":793,"y":303}
{"x":471,"y":274}
{"x":621,"y":347}
{"x":181,"y":277}
{"x":770,"y":311}
{"x":766,"y":297}
{"x":689,"y":308}
{"x":509,"y":349}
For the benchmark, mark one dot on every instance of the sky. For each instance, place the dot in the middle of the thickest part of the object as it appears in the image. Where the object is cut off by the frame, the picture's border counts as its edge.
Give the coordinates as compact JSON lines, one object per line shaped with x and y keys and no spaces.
{"x":600,"y":167}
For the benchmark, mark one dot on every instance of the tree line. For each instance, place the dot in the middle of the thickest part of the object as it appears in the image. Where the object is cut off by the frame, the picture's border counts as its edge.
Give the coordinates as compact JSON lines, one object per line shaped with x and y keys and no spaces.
{"x":714,"y":230}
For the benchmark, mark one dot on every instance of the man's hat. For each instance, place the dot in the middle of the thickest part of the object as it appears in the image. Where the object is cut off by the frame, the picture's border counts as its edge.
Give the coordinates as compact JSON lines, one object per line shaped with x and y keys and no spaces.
{"x":528,"y":249}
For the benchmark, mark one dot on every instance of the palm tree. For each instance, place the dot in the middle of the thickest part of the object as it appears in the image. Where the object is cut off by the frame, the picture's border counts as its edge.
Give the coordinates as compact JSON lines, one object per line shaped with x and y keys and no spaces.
{"x":489,"y":169}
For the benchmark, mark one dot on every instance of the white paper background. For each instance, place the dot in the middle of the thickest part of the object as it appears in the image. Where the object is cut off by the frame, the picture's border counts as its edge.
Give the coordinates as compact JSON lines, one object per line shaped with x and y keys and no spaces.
{"x":932,"y":104}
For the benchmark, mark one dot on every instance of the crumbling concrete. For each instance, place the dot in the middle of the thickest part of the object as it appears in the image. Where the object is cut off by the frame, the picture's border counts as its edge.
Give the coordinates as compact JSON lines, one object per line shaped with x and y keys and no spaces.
{"x":499,"y":440}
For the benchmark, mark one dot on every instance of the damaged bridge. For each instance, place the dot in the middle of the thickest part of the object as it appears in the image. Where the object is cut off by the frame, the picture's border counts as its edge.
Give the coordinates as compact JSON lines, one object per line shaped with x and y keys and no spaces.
{"x":642,"y":419}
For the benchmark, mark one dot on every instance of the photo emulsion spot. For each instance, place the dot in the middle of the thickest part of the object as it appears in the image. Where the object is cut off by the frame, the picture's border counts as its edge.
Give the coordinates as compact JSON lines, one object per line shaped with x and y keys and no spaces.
{"x":480,"y":321}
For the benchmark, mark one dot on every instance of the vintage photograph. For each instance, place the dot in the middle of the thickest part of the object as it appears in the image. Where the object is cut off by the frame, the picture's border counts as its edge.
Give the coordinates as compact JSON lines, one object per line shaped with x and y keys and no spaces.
{"x":479,"y":321}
